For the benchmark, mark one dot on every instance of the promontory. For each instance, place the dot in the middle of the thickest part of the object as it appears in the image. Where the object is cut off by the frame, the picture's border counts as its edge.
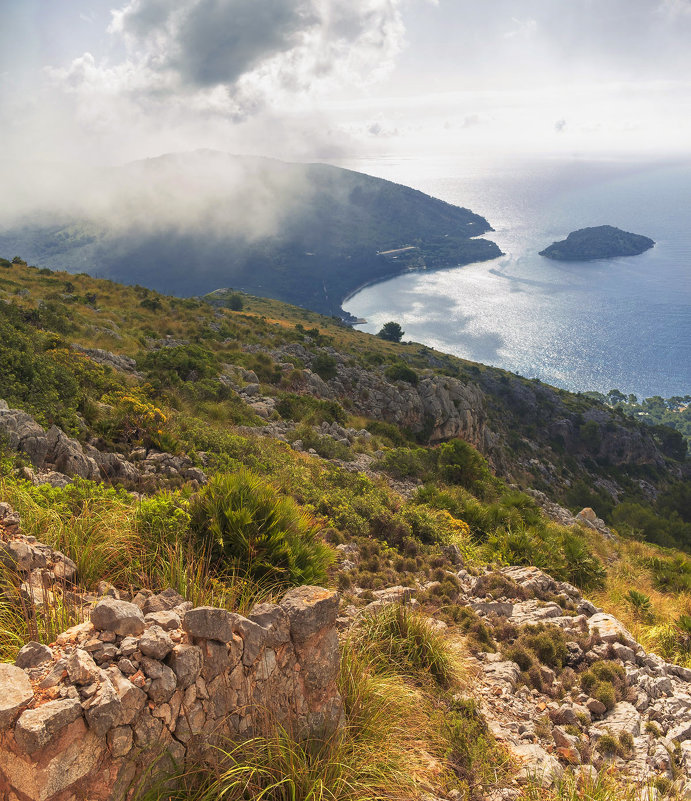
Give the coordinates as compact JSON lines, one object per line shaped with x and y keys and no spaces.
{"x":598,"y":242}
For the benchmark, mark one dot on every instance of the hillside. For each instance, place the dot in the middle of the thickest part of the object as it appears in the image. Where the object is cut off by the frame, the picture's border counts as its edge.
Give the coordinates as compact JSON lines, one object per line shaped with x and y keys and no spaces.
{"x":163,"y":455}
{"x":308,"y":234}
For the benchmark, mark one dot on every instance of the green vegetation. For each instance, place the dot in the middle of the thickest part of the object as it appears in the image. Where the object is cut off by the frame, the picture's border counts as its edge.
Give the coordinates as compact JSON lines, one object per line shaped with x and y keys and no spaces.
{"x":659,"y":413}
{"x":271,"y":513}
{"x":244,"y":526}
{"x":391,"y":331}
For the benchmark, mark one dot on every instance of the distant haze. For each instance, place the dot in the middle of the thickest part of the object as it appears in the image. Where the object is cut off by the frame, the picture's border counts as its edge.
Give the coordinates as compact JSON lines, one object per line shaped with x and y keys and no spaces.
{"x":90,"y":84}
{"x":102,"y":81}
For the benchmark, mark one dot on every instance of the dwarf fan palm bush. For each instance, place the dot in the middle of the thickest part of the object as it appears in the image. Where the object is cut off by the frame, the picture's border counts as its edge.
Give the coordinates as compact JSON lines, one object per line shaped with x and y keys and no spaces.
{"x":247,"y":526}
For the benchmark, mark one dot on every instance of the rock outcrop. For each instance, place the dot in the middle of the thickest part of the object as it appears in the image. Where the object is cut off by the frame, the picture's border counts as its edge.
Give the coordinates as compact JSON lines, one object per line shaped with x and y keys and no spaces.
{"x":58,"y":459}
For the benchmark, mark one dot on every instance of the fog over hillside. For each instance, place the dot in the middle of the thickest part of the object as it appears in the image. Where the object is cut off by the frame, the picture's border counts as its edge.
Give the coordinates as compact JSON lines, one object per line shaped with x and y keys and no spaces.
{"x":191,"y":223}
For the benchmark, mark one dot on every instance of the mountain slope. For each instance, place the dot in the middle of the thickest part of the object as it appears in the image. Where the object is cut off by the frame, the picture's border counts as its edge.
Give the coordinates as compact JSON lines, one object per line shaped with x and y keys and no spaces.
{"x":309,"y":234}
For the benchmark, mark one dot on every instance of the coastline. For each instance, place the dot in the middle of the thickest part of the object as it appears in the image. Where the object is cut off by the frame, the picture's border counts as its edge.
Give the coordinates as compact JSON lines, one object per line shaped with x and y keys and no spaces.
{"x":351,"y":320}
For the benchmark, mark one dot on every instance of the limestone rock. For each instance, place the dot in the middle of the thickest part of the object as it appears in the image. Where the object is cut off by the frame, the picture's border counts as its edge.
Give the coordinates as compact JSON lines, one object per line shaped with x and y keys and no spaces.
{"x":132,"y":699}
{"x":104,"y":708}
{"x":163,"y":680}
{"x":16,"y":555}
{"x":120,"y":741}
{"x":120,"y":617}
{"x":23,"y":433}
{"x":155,"y":643}
{"x":623,"y":718}
{"x":68,"y":457}
{"x":15,"y":692}
{"x":274,"y":618}
{"x":37,"y":727}
{"x":309,"y":609}
{"x":186,"y":662}
{"x":208,"y":622}
{"x":610,"y":629}
{"x":166,"y":619}
{"x":32,"y":655}
{"x":537,"y":763}
{"x":81,"y":668}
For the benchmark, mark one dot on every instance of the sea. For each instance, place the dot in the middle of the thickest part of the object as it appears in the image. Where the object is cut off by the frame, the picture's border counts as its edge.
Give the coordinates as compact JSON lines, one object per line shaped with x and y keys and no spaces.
{"x":615,"y":323}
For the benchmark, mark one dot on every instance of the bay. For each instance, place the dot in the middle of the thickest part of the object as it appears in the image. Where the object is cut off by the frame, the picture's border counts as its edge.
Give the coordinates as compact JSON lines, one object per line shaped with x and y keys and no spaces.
{"x":623,"y":323}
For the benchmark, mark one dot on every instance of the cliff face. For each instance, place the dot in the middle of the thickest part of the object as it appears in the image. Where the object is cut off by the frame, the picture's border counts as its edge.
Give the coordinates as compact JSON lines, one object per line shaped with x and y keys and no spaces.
{"x":489,"y":412}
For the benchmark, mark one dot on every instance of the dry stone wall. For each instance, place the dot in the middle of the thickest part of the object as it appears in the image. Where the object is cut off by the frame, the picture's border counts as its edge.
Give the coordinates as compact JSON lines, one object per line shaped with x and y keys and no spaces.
{"x":83,"y":719}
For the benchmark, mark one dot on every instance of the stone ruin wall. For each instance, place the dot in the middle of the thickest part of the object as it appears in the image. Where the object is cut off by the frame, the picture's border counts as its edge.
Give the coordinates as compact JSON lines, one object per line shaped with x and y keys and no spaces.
{"x":85,"y":718}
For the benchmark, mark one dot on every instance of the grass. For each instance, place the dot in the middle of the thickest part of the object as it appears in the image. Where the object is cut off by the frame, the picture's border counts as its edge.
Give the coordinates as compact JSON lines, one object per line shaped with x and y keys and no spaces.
{"x":109,"y":537}
{"x":22,"y":620}
{"x":385,"y":749}
{"x":606,"y":785}
{"x":403,"y":639}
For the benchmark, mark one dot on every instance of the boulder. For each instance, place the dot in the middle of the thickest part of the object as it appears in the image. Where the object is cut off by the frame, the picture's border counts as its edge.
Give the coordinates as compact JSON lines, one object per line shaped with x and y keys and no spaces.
{"x":163,"y":680}
{"x":132,"y":699}
{"x":155,"y":643}
{"x":210,"y":623}
{"x":81,"y":668}
{"x":23,"y":433}
{"x":37,"y":727}
{"x":163,"y":602}
{"x":610,"y":629}
{"x":16,"y":555}
{"x":309,"y":609}
{"x":623,"y":718}
{"x":537,"y":764}
{"x":186,"y":662}
{"x":274,"y":618}
{"x":167,"y":620}
{"x":15,"y":692}
{"x":120,"y":741}
{"x":32,"y":655}
{"x":120,"y":617}
{"x":68,"y":457}
{"x":104,"y":709}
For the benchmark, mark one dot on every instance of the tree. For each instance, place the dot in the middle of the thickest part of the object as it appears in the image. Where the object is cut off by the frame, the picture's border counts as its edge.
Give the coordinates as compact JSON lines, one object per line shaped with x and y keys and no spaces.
{"x":235,"y":302}
{"x":391,"y":331}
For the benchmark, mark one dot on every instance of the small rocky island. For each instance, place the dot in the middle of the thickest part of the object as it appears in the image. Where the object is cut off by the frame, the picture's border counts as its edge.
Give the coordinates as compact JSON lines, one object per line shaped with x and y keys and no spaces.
{"x":599,"y":242}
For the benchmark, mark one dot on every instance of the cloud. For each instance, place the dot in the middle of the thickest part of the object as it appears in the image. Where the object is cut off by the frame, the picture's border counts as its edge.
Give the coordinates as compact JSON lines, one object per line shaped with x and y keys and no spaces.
{"x":235,"y":58}
{"x":523,"y":30}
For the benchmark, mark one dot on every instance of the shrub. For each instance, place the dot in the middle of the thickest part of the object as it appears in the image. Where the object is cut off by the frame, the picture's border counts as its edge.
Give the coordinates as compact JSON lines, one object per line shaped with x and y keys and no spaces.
{"x":542,"y":643}
{"x":607,"y":745}
{"x":475,"y":756}
{"x":325,"y":366}
{"x":135,"y":421}
{"x":605,"y":693}
{"x":172,"y":366}
{"x":310,"y":410}
{"x":460,"y":463}
{"x":640,"y":604}
{"x":605,"y":681}
{"x":582,"y":568}
{"x":409,"y":462}
{"x":247,"y":526}
{"x":401,"y":372}
{"x":235,"y":302}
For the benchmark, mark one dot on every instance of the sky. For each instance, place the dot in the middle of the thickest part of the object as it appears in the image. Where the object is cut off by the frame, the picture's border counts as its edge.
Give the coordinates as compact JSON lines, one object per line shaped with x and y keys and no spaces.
{"x":104,"y":82}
